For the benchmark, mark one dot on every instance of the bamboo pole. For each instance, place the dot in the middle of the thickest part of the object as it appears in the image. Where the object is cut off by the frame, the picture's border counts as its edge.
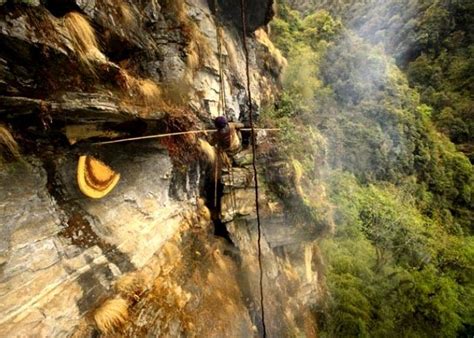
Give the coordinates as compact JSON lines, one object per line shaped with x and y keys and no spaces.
{"x":139,"y":138}
{"x":266,"y":129}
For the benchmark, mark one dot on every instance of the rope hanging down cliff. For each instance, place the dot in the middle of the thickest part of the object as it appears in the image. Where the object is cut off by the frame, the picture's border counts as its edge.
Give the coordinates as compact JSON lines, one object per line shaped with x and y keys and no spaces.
{"x":222,"y":110}
{"x":249,"y":95}
{"x":221,"y":106}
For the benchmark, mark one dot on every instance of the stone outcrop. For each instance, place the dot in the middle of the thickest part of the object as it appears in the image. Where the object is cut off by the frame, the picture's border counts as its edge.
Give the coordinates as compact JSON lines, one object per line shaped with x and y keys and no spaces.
{"x":210,"y":286}
{"x":292,"y":273}
{"x":156,"y":45}
{"x":61,"y":252}
{"x":153,"y":68}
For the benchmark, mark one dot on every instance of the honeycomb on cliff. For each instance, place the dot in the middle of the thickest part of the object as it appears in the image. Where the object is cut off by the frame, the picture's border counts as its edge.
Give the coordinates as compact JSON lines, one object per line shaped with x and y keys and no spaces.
{"x":95,"y":179}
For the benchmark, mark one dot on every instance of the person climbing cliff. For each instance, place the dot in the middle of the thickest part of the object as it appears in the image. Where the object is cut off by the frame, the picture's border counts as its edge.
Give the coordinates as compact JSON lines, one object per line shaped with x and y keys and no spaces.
{"x":226,"y":139}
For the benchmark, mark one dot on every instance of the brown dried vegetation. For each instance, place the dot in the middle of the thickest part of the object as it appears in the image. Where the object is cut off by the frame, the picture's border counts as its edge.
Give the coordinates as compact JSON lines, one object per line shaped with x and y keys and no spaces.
{"x":118,"y":12}
{"x":125,"y":14}
{"x":83,"y":39}
{"x":208,"y":152}
{"x":276,"y":58}
{"x":111,"y":315}
{"x":183,"y":149}
{"x":148,"y":91}
{"x":176,"y":93}
{"x":196,"y":286}
{"x":198,"y":48}
{"x":142,"y":93}
{"x":220,"y":297}
{"x":132,"y":285}
{"x":203,"y":211}
{"x":8,"y":146}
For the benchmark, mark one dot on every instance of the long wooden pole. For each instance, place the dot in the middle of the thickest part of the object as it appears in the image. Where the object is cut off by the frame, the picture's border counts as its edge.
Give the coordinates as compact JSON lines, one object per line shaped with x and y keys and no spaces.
{"x":139,"y":138}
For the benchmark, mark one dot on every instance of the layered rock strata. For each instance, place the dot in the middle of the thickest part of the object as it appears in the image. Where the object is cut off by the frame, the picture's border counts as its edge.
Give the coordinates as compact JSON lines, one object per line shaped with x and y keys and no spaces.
{"x":74,"y":72}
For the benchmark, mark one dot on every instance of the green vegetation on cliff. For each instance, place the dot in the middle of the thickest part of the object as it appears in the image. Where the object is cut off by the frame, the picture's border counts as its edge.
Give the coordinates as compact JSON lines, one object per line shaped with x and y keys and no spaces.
{"x":401,"y":260}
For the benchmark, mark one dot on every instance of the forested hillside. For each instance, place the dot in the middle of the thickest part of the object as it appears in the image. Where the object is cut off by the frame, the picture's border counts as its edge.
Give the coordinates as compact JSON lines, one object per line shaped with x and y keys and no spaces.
{"x":432,"y":41}
{"x":362,"y":121}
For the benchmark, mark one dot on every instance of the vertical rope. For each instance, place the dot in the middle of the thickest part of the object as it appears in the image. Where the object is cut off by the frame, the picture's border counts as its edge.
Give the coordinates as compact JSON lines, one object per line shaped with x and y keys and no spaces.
{"x":222,"y":106}
{"x":221,"y":75}
{"x":216,"y":167}
{"x":259,"y":227}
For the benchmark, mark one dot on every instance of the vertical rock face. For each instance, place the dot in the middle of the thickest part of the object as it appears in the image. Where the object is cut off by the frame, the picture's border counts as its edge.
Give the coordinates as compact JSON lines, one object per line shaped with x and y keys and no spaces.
{"x":174,"y":44}
{"x":72,"y":72}
{"x":61,"y":252}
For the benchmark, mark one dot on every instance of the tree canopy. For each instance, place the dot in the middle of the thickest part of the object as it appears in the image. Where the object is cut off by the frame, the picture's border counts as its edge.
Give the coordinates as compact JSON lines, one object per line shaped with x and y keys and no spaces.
{"x":401,"y":260}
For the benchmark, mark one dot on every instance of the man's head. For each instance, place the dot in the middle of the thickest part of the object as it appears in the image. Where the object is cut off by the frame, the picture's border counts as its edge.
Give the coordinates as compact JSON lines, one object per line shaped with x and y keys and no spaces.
{"x":220,"y":122}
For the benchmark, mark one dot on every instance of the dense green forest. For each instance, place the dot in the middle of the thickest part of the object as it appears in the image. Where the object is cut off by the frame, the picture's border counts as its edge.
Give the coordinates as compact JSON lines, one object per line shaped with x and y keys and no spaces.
{"x":433,"y":42}
{"x":367,"y":124}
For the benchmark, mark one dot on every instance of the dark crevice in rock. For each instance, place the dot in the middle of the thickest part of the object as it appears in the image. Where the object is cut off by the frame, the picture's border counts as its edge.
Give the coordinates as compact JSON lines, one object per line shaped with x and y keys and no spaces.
{"x":258,"y":13}
{"x":135,"y":127}
{"x":118,"y":50}
{"x":60,"y":8}
{"x":57,"y":73}
{"x":18,"y":74}
{"x":220,"y":230}
{"x":117,"y":47}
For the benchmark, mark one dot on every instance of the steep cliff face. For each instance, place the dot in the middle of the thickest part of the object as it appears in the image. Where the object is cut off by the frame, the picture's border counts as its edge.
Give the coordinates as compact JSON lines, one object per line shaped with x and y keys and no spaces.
{"x":144,"y":258}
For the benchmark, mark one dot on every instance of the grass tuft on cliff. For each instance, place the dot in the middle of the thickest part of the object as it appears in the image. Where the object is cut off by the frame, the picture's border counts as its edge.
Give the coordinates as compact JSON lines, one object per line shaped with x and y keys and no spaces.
{"x":83,"y":39}
{"x":111,"y":315}
{"x":8,"y":146}
{"x":198,"y":49}
{"x":143,"y":93}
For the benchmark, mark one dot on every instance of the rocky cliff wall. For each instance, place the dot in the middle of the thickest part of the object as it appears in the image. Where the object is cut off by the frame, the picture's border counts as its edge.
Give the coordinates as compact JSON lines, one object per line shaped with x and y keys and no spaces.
{"x":143,"y":259}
